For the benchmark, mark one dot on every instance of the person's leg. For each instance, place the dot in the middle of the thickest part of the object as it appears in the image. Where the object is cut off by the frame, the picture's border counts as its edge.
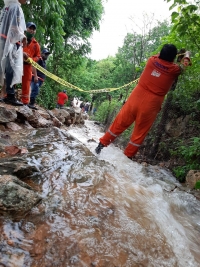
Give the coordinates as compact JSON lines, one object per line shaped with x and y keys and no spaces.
{"x":142,"y":126}
{"x":10,"y":91}
{"x":26,"y":82}
{"x":34,"y":92}
{"x":9,"y":76}
{"x":59,"y":106}
{"x":35,"y":88}
{"x":123,"y":120}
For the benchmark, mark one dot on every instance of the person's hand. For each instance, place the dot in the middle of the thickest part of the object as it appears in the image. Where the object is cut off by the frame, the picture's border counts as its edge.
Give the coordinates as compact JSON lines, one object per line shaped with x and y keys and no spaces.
{"x":186,"y":59}
{"x":25,"y":55}
{"x":24,"y":41}
{"x":187,"y":54}
{"x":35,"y":79}
{"x":181,"y":54}
{"x":186,"y":62}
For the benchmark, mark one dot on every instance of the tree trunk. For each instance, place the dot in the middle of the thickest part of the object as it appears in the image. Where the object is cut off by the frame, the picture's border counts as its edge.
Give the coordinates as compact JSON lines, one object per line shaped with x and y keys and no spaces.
{"x":163,"y":122}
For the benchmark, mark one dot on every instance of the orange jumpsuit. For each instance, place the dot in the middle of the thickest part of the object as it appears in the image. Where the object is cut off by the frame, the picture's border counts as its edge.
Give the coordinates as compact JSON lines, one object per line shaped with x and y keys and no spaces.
{"x":143,"y":104}
{"x":33,"y":51}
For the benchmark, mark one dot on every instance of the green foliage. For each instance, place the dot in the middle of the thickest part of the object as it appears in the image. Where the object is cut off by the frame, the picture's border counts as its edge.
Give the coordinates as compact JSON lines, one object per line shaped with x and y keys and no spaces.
{"x":197,"y":185}
{"x":186,"y":20}
{"x":106,"y":109}
{"x":47,"y":97}
{"x":63,"y":21}
{"x":190,"y":153}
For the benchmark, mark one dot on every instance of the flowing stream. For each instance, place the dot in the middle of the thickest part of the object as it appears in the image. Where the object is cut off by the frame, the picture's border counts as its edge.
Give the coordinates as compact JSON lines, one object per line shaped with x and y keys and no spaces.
{"x":104,"y":210}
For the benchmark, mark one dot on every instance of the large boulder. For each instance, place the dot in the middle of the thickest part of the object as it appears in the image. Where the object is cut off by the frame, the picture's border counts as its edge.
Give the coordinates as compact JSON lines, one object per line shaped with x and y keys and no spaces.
{"x":16,"y":166}
{"x":176,"y":127}
{"x":16,"y":197}
{"x":45,"y":114}
{"x":33,"y":117}
{"x":192,"y":177}
{"x":13,"y":126}
{"x":7,"y":114}
{"x":62,"y":115}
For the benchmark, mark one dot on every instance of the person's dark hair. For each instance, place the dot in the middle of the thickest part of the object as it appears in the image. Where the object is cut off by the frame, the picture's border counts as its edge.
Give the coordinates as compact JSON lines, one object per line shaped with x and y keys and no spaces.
{"x":168,"y":52}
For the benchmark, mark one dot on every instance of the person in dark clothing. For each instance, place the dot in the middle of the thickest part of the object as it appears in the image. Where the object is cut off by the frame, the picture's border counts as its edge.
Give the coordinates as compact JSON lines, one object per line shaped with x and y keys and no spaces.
{"x":35,"y":86}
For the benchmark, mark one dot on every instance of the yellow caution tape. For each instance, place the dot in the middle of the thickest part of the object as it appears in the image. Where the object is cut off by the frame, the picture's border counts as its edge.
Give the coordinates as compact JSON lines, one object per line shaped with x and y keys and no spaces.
{"x":63,"y":82}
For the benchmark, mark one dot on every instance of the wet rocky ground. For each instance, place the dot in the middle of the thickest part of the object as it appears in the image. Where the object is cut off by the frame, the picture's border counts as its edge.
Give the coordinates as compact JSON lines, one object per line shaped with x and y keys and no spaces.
{"x":87,"y":211}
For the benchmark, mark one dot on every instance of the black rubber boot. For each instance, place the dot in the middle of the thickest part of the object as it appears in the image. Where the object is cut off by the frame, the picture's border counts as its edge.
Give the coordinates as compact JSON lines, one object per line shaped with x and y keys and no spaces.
{"x":10,"y":99}
{"x":32,"y":103}
{"x":99,"y":148}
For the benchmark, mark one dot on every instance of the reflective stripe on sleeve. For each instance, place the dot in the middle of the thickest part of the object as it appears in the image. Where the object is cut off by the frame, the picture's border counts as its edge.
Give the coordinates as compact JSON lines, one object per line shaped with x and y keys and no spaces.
{"x":109,"y":131}
{"x":134,"y":144}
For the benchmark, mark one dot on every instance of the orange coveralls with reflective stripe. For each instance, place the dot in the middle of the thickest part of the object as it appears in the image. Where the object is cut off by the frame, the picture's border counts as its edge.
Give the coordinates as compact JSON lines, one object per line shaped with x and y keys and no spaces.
{"x":33,"y":51}
{"x":143,"y":104}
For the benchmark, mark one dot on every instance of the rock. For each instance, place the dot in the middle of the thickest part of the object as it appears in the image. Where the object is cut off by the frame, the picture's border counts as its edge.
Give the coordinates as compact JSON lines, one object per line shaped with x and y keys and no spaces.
{"x":2,"y":128}
{"x":5,"y":140}
{"x":192,"y":177}
{"x":16,"y":197}
{"x":7,"y":114}
{"x":85,"y":116}
{"x":17,"y":167}
{"x":62,"y":115}
{"x":27,"y":125}
{"x":177,"y":126}
{"x":56,"y":122}
{"x":12,"y":150}
{"x":33,"y":117}
{"x":71,"y":112}
{"x":13,"y":126}
{"x":50,"y":113}
{"x":25,"y":113}
{"x":41,"y":118}
{"x":42,"y":123}
{"x":197,"y":195}
{"x":44,"y":114}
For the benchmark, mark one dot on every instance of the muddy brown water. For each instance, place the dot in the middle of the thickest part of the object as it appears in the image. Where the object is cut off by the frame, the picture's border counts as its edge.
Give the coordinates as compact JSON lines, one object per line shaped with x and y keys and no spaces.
{"x":92,"y":214}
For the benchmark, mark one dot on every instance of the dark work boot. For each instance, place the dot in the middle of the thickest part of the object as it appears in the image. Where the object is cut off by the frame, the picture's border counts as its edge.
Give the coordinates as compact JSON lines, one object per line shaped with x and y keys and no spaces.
{"x":99,"y":148}
{"x":32,"y":103}
{"x":10,"y":99}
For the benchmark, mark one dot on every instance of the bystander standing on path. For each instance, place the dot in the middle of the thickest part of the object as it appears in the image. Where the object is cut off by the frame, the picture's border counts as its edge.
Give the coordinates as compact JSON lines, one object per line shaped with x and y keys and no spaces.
{"x":35,"y":86}
{"x":32,"y":50}
{"x":12,"y":38}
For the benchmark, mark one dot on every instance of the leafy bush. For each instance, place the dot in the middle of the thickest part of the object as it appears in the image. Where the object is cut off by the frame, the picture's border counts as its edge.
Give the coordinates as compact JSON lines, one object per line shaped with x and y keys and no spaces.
{"x":107,"y":111}
{"x":47,"y":97}
{"x":190,"y":154}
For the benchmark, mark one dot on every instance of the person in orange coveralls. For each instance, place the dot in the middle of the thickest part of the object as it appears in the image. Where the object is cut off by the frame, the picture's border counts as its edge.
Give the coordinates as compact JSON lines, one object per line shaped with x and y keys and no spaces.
{"x":146,"y":99}
{"x":32,"y":50}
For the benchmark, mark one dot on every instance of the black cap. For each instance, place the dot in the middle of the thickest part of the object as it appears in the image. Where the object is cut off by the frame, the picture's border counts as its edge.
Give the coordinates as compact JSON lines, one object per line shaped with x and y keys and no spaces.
{"x":46,"y":51}
{"x":64,"y":91}
{"x":30,"y":24}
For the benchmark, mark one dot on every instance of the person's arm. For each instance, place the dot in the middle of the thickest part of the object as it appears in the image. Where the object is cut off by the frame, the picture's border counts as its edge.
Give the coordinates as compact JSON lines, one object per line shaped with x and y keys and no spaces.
{"x":37,"y":53}
{"x":34,"y":70}
{"x":24,"y":41}
{"x":25,"y":56}
{"x":185,"y":61}
{"x":16,"y":19}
